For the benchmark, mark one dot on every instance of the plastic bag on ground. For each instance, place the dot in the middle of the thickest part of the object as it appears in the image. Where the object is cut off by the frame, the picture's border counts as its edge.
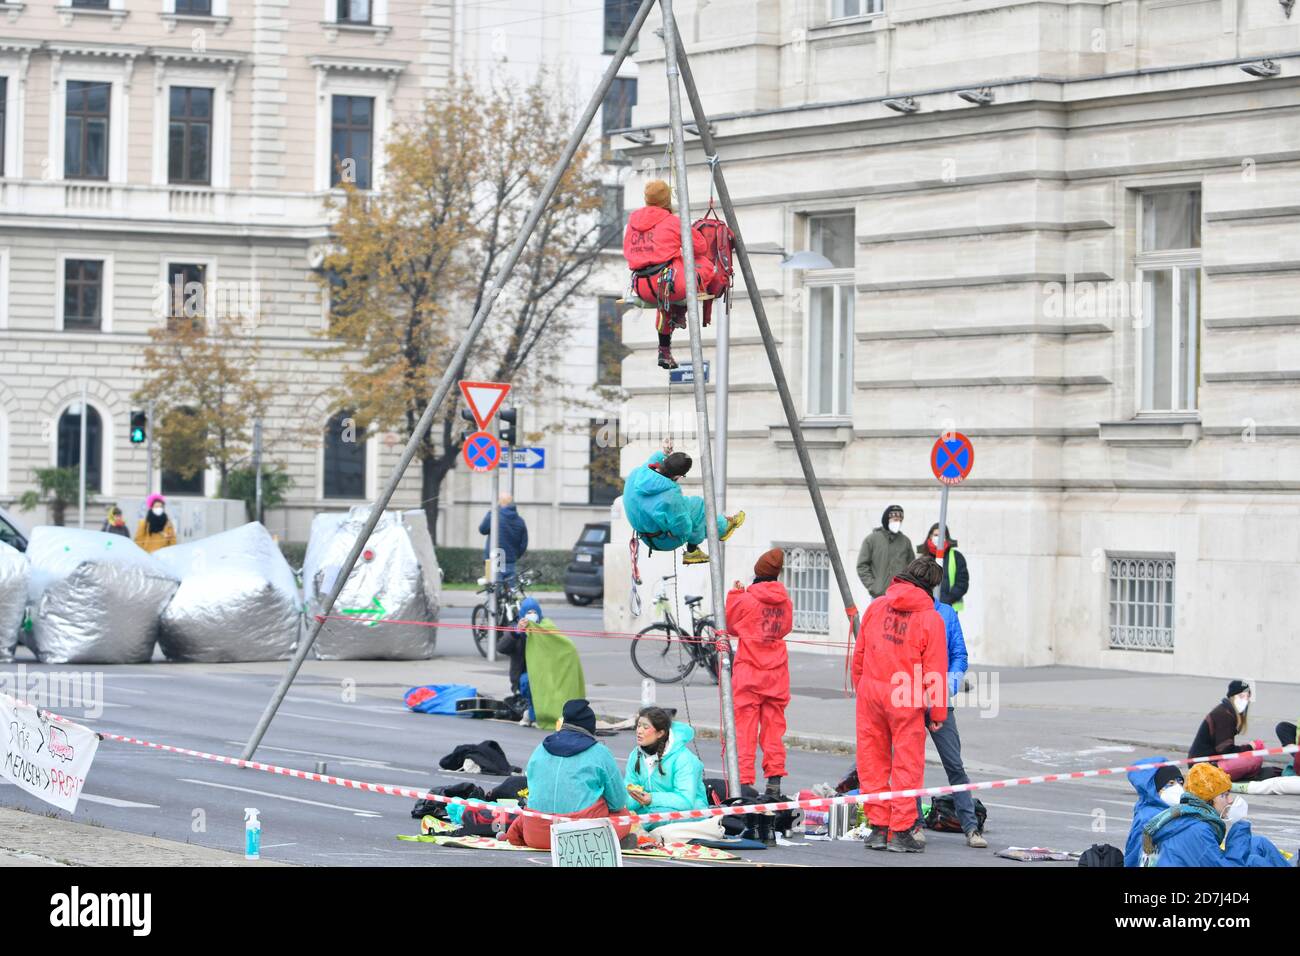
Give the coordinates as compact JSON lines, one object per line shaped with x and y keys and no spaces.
{"x":14,"y":572}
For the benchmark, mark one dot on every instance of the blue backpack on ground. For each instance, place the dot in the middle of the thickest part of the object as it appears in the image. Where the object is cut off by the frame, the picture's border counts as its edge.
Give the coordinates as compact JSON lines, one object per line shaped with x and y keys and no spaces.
{"x":438,"y":698}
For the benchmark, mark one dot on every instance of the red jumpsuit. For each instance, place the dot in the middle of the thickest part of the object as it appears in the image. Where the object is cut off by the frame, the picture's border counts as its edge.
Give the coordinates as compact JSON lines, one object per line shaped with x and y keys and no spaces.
{"x":654,"y":237}
{"x":761,"y":616}
{"x":900,"y":668}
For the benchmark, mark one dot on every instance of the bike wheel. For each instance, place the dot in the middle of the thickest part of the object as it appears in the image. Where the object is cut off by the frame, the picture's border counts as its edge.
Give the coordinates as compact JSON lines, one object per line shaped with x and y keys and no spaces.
{"x":479,"y":619}
{"x":660,"y":653}
{"x":708,"y":650}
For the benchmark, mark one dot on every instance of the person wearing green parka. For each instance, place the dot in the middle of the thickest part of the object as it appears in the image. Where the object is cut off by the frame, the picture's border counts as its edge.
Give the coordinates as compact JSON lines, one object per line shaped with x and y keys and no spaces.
{"x":552,"y":664}
{"x":885,"y":553}
{"x":662,"y":773}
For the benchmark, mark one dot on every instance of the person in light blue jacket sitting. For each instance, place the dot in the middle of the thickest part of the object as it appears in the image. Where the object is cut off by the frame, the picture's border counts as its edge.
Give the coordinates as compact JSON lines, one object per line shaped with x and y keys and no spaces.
{"x":662,"y":773}
{"x":665,"y":518}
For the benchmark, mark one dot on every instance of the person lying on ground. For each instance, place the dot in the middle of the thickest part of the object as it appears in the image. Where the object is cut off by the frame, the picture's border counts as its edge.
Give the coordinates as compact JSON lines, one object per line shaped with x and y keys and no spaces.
{"x":573,"y":775}
{"x":553,"y":668}
{"x":665,"y":518}
{"x":1158,"y":789}
{"x":1204,"y":829}
{"x":1218,"y":732}
{"x":662,"y":774}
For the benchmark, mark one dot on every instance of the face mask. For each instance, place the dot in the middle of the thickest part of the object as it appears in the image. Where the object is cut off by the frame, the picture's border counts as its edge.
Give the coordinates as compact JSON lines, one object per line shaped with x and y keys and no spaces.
{"x":934,"y":541}
{"x":533,"y":616}
{"x":1172,"y":794}
{"x":157,"y":509}
{"x":1241,"y":703}
{"x":895,"y":527}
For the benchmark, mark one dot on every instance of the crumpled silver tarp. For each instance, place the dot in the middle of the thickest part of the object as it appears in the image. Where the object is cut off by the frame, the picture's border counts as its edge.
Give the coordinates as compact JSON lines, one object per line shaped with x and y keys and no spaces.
{"x":95,"y":597}
{"x":14,"y":571}
{"x":238,"y":600}
{"x":400,"y":581}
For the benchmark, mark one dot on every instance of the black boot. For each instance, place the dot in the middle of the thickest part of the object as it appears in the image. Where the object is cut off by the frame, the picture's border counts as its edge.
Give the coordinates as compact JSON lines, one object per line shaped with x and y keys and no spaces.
{"x":774,"y":786}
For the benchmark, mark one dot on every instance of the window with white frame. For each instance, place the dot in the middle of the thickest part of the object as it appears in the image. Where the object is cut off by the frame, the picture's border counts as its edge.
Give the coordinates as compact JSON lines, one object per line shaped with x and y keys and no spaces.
{"x":352,"y":116}
{"x":828,"y":336}
{"x":1141,"y":602}
{"x":807,"y":577}
{"x":354,"y":11}
{"x":845,"y":9}
{"x":83,"y":294}
{"x":87,"y":126}
{"x":86,"y":129}
{"x":352,"y":135}
{"x":189,"y":135}
{"x":1169,"y":270}
{"x":68,"y":449}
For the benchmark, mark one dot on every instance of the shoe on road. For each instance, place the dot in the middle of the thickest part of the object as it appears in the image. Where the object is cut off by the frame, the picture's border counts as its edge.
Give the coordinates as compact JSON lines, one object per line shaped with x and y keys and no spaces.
{"x":733,"y":522}
{"x":695,"y":556}
{"x":878,"y":838}
{"x":905,"y":841}
{"x":975,"y":840}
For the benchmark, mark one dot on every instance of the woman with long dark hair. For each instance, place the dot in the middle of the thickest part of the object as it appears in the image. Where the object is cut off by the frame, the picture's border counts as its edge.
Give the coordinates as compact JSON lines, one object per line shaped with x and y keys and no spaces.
{"x":662,"y":773}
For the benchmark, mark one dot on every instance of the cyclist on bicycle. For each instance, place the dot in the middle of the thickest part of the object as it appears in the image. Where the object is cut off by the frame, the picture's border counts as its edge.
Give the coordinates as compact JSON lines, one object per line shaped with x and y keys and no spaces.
{"x":512,"y":537}
{"x":665,"y":518}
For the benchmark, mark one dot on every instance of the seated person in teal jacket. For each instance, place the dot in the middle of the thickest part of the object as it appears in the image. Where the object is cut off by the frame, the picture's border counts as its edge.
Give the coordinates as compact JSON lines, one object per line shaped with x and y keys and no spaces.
{"x":573,"y":775}
{"x":662,"y":773}
{"x":665,"y":518}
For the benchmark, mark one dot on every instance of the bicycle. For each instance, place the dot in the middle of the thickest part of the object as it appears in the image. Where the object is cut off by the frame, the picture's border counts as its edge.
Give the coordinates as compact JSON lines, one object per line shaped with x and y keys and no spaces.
{"x":669,"y":653}
{"x":507,"y":607}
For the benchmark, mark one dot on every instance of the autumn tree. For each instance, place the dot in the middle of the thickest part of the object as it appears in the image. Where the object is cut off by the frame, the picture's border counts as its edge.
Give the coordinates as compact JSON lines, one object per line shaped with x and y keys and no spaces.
{"x":412,"y":262}
{"x":203,"y":381}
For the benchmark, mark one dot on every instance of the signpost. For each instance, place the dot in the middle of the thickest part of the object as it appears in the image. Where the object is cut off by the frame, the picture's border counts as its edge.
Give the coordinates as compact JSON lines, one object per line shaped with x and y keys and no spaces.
{"x":951,"y":460}
{"x":684,"y":374}
{"x":528,"y":458}
{"x":482,"y":452}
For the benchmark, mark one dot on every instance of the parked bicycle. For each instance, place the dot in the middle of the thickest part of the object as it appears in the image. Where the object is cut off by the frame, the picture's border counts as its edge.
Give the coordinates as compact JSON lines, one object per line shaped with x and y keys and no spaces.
{"x":666,"y":653}
{"x":511,"y":596}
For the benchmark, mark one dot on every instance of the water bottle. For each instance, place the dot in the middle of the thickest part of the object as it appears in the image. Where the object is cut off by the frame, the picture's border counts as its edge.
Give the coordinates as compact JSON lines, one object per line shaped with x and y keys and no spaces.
{"x":252,"y":834}
{"x":647,"y":692}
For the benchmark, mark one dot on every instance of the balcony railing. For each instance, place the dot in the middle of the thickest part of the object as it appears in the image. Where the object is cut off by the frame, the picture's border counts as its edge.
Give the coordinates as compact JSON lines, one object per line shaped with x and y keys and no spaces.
{"x":55,"y":198}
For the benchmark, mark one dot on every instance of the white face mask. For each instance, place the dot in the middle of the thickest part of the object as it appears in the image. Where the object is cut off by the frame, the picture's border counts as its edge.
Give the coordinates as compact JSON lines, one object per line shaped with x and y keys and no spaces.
{"x":1172,"y":794}
{"x":934,"y":541}
{"x":157,"y":509}
{"x":533,"y":616}
{"x":1241,"y":702}
{"x":895,"y":527}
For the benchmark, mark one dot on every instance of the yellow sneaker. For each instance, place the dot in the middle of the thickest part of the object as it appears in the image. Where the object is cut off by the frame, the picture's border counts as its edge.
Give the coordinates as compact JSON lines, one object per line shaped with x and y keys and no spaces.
{"x":695,"y":556}
{"x":734,"y":522}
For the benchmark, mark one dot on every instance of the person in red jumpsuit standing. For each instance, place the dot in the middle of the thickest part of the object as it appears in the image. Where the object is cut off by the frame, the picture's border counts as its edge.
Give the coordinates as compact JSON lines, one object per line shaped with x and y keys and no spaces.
{"x":900,"y":670}
{"x":761,"y":616}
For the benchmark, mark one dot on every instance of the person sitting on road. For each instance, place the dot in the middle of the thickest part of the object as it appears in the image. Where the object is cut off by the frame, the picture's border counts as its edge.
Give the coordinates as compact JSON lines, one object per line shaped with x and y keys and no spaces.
{"x":571,"y":774}
{"x":1289,"y":782}
{"x":665,"y":518}
{"x":662,"y":774}
{"x":553,"y":670}
{"x":1218,"y":731}
{"x":1208,"y":827}
{"x":1158,"y":789}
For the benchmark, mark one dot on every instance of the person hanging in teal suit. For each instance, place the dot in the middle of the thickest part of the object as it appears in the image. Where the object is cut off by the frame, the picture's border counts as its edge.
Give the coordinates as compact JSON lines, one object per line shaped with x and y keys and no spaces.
{"x":662,"y":516}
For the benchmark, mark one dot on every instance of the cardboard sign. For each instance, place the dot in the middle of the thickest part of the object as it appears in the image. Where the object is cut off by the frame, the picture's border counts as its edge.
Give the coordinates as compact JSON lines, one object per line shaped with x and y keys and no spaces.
{"x":585,"y":843}
{"x":49,"y":760}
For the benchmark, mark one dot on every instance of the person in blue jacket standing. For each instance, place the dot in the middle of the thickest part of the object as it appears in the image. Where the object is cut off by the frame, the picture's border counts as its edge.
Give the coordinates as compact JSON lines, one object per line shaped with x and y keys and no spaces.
{"x":512,"y":537}
{"x":665,"y":518}
{"x":1207,"y":828}
{"x":662,"y":773}
{"x":946,"y":739}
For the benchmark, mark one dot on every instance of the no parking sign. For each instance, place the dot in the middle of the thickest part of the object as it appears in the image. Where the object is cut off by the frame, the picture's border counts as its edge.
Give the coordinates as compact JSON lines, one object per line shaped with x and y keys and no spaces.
{"x":952,"y":458}
{"x":482,"y":452}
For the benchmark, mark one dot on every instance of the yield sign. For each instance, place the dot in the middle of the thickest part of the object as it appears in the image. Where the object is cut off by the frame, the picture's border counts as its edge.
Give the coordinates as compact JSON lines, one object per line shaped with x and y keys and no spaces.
{"x":952,"y":458}
{"x":483,"y":399}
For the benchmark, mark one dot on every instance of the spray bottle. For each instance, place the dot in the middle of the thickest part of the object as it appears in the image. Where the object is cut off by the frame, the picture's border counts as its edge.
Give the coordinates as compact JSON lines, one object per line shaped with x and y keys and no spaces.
{"x":252,"y":834}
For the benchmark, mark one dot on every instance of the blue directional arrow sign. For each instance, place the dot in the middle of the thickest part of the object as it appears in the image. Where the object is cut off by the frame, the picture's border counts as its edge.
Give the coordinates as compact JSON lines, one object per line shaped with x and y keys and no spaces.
{"x":529,"y":458}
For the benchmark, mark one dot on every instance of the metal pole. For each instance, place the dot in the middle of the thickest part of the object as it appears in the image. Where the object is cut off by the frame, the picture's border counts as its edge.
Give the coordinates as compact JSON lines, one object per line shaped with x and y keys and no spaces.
{"x":494,"y":561}
{"x":769,"y":341}
{"x":453,"y":370}
{"x":721,"y":397}
{"x":510,"y":457}
{"x":942,"y":550}
{"x":701,"y":401}
{"x":81,"y":461}
{"x":257,"y":470}
{"x":148,"y":449}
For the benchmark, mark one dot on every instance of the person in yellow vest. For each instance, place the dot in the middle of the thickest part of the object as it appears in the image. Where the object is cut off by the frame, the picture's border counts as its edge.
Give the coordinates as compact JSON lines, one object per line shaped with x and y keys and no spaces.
{"x":155,"y":529}
{"x":956,"y":579}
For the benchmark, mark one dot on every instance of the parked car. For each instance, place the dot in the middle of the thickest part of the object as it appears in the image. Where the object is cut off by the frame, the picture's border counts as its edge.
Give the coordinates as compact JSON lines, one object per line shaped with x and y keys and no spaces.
{"x":11,"y":532}
{"x":584,"y":580}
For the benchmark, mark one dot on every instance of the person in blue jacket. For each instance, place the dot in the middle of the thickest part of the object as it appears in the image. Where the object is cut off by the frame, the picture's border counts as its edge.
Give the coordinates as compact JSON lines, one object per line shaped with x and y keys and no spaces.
{"x":946,"y":739}
{"x":1158,"y":789}
{"x":512,"y":536}
{"x":662,"y":773}
{"x":665,"y":518}
{"x":1205,"y":829}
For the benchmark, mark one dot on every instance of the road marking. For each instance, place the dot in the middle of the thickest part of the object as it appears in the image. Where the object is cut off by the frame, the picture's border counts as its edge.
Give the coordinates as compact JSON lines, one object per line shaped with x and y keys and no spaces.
{"x":336,"y":720}
{"x":279,"y":796}
{"x":1012,"y":806}
{"x":272,"y":846}
{"x":115,"y":802}
{"x":341,"y":758}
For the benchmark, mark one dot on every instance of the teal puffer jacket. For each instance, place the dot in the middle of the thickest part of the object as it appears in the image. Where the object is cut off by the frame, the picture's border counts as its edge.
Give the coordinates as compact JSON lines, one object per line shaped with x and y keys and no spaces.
{"x":676,"y":783}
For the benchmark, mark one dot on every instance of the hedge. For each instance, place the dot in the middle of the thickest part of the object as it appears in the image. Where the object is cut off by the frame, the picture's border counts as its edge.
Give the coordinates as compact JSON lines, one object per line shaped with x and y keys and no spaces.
{"x":465,"y":565}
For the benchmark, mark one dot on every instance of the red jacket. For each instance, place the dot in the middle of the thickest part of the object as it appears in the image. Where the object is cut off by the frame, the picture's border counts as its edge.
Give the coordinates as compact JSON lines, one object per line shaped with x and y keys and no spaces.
{"x":901,"y":631}
{"x":761,"y":616}
{"x":653,"y":236}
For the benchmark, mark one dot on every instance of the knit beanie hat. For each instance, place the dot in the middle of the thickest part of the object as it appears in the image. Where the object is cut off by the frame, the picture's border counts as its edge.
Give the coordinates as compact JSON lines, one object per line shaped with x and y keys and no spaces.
{"x":770,"y":564}
{"x":1167,"y":775}
{"x":579,"y":713}
{"x":657,"y":193}
{"x":1236,"y":687}
{"x":1207,"y":782}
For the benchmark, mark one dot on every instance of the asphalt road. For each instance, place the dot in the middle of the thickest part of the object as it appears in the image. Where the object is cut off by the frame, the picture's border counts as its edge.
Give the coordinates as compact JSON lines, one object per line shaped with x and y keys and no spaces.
{"x":213,"y":708}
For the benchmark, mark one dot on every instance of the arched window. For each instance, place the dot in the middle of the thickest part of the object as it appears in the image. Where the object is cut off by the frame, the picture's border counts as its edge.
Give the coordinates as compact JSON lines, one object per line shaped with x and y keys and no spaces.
{"x":345,"y":457}
{"x":184,"y":452}
{"x":69,"y":452}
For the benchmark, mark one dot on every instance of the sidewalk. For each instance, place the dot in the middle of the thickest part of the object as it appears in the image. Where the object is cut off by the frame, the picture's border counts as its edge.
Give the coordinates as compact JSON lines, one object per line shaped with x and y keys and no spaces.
{"x":471,"y":598}
{"x":30,"y":839}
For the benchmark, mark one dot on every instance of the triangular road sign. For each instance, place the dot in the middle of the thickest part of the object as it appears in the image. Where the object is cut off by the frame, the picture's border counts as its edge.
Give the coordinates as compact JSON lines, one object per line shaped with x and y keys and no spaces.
{"x":483,"y":399}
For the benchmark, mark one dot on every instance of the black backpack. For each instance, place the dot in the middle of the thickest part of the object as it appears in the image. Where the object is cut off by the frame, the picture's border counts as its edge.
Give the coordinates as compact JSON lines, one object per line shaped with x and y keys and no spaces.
{"x":1101,"y":854}
{"x":466,"y":791}
{"x":943,"y":815}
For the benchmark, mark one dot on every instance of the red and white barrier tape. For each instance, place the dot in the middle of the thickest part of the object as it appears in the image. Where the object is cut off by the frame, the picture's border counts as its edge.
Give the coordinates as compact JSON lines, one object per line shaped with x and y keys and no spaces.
{"x":816,"y":803}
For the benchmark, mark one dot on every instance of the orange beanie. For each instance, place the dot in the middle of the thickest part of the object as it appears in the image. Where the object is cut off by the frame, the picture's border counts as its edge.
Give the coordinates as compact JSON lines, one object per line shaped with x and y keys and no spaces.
{"x":658,"y":194}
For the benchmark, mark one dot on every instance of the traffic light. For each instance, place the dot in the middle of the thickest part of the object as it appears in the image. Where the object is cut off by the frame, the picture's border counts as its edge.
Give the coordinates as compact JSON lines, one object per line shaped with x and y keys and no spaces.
{"x":509,"y":427}
{"x":466,"y":414}
{"x":139,"y":426}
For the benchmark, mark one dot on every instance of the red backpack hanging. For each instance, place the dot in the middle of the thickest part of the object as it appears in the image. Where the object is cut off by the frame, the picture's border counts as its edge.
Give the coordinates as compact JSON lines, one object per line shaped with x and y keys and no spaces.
{"x":721,"y":245}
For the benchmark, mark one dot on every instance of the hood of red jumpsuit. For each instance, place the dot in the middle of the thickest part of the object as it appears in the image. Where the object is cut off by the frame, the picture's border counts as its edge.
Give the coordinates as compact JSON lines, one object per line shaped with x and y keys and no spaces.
{"x":647,"y":217}
{"x":769,"y":592}
{"x":904,"y":596}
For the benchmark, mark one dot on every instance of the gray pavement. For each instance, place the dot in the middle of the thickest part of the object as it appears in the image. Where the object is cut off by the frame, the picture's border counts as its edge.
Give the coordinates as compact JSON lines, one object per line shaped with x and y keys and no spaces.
{"x":349,"y":714}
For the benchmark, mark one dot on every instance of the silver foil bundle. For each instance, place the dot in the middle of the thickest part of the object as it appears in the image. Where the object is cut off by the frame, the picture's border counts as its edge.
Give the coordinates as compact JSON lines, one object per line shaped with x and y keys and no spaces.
{"x":395,"y":579}
{"x":13,"y":598}
{"x":95,"y":597}
{"x":238,"y":600}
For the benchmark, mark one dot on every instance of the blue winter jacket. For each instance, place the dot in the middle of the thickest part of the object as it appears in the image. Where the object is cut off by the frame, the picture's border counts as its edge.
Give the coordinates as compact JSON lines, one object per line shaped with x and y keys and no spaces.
{"x":1190,"y":835}
{"x":1147,"y":806}
{"x":676,"y":783}
{"x":572,"y":779}
{"x":512,"y":534}
{"x":956,"y":646}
